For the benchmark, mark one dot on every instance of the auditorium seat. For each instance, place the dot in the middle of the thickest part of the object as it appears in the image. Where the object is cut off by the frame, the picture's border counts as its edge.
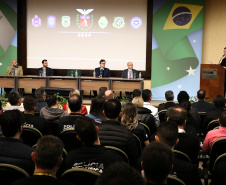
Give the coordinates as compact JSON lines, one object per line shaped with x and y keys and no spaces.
{"x":70,"y":140}
{"x":10,"y":173}
{"x":30,"y":135}
{"x":80,"y":176}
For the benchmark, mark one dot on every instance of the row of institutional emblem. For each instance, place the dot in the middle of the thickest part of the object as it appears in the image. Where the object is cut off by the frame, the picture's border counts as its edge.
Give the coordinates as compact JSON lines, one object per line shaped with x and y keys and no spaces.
{"x":85,"y":22}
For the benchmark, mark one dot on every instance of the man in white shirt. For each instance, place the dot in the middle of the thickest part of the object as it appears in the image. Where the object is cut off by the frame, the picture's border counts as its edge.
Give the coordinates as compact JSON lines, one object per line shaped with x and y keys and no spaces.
{"x":147,"y":95}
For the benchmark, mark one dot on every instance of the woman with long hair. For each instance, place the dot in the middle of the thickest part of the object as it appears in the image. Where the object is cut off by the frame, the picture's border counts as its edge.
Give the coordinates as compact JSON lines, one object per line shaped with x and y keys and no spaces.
{"x":130,"y":121}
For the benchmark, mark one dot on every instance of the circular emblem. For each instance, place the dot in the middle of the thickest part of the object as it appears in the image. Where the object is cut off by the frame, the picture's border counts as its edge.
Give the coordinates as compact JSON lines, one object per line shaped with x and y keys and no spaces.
{"x":103,"y":22}
{"x":181,"y":16}
{"x":119,"y":22}
{"x":136,"y":22}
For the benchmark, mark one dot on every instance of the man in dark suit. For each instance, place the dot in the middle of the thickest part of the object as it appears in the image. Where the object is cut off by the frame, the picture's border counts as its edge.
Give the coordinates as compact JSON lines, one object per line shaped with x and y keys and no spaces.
{"x":130,"y":72}
{"x":45,"y":71}
{"x":102,"y":71}
{"x":223,"y":64}
{"x":189,"y":144}
{"x":202,"y":105}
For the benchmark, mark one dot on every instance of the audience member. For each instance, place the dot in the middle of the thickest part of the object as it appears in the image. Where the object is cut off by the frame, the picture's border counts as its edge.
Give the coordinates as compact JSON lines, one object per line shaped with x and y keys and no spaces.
{"x":120,"y":173}
{"x":168,"y":133}
{"x":219,"y":103}
{"x":47,"y":158}
{"x":102,"y":91}
{"x":30,"y":119}
{"x":169,"y":101}
{"x":67,"y":122}
{"x":96,"y":109}
{"x":112,"y":133}
{"x":189,"y":144}
{"x":51,"y":112}
{"x":136,"y":92}
{"x":144,"y":114}
{"x":147,"y":95}
{"x":129,"y":119}
{"x":213,"y":135}
{"x":157,"y":163}
{"x":190,"y":120}
{"x":13,"y":151}
{"x":108,"y":95}
{"x":202,"y":105}
{"x":92,"y":155}
{"x":41,"y":96}
{"x":83,"y":108}
{"x":15,"y":102}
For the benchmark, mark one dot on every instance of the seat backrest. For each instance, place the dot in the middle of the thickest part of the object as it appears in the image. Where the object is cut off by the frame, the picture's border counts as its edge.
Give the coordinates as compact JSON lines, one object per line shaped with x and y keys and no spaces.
{"x":171,"y":180}
{"x":119,"y":152}
{"x":70,"y":140}
{"x":162,"y":115}
{"x":147,"y":130}
{"x":9,"y":173}
{"x":181,"y":155}
{"x":217,"y":148}
{"x":53,"y":127}
{"x":212,"y":125}
{"x":81,"y":176}
{"x":30,"y":135}
{"x":138,"y":143}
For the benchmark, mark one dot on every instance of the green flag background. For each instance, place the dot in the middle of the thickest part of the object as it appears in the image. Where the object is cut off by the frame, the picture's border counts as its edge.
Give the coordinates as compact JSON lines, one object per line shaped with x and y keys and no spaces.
{"x":8,"y":35}
{"x":174,"y":55}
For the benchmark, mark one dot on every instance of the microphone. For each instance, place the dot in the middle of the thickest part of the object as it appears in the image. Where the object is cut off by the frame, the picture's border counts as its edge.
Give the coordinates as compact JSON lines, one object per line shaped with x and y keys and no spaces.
{"x":221,"y":59}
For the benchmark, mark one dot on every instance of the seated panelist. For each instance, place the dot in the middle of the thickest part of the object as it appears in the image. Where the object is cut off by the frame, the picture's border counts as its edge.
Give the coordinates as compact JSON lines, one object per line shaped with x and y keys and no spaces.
{"x":130,"y":72}
{"x":45,"y":70}
{"x":102,"y":71}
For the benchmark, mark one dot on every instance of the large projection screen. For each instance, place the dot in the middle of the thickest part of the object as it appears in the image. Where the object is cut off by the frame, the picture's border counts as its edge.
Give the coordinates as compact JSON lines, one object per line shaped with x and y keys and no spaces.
{"x":76,"y":34}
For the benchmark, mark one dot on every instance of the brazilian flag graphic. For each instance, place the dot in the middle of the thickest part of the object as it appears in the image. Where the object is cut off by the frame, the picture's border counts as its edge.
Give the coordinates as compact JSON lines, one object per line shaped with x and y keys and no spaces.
{"x":171,"y":25}
{"x":8,"y":24}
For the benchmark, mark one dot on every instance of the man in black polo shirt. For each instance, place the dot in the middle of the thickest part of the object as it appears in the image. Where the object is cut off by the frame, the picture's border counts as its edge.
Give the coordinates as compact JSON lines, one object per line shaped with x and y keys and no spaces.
{"x":47,"y":158}
{"x":92,"y":155}
{"x":75,"y":105}
{"x":12,"y":150}
{"x":30,"y":105}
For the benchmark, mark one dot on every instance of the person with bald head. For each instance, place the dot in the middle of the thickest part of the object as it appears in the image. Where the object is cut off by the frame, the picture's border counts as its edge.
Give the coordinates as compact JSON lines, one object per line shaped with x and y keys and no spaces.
{"x":11,"y":69}
{"x":130,"y":72}
{"x":109,"y":94}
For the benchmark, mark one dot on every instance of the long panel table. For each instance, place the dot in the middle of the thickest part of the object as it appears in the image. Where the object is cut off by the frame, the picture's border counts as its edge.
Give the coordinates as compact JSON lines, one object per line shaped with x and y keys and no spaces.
{"x":80,"y":83}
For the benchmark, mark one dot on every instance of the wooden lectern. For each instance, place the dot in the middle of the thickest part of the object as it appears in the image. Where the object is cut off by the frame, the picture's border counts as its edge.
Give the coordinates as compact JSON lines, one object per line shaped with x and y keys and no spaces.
{"x":212,"y":80}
